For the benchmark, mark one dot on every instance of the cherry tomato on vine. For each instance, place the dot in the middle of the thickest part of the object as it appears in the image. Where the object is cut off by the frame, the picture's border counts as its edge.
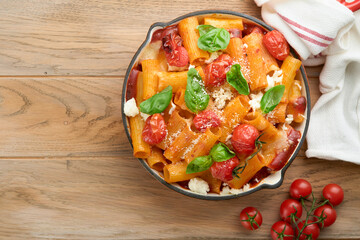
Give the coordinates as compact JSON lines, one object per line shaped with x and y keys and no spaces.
{"x":206,"y":119}
{"x":276,"y":44}
{"x":300,"y":188}
{"x":327,"y":213}
{"x":154,"y":130}
{"x":282,"y":230}
{"x":312,"y":229}
{"x":251,"y":218}
{"x":243,"y":138}
{"x":334,"y":193}
{"x":288,"y":207}
{"x":215,"y":72}
{"x":223,"y":170}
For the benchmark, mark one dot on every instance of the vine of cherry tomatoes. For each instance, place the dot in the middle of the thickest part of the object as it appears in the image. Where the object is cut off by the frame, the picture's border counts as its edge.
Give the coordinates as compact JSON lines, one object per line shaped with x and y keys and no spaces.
{"x":318,"y":215}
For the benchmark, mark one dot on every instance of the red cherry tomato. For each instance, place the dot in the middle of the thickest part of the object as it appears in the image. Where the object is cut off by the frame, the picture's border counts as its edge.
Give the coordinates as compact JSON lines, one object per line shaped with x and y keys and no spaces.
{"x":300,"y":105}
{"x":215,"y":72}
{"x":334,"y":193}
{"x":176,"y":55}
{"x":243,"y":138}
{"x":235,"y":33}
{"x":276,"y":44}
{"x":312,"y":229}
{"x":155,"y":129}
{"x":251,"y":218}
{"x":282,"y":230}
{"x":326,"y":212}
{"x":300,"y":188}
{"x":248,"y":29}
{"x":288,"y":207}
{"x":223,"y":170}
{"x":206,"y":119}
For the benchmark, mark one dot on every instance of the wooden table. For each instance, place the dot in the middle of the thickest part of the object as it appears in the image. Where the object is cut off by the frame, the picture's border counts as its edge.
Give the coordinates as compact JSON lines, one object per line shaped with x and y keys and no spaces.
{"x":67,"y":170}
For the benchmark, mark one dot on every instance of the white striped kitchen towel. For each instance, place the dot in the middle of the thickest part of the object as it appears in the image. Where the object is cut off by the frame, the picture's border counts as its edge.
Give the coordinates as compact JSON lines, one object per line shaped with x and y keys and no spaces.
{"x":310,"y":26}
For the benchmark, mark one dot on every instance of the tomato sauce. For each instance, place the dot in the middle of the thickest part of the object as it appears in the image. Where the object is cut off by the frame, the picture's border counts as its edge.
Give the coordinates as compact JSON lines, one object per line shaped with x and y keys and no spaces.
{"x":260,"y":175}
{"x":131,"y":84}
{"x":282,"y":157}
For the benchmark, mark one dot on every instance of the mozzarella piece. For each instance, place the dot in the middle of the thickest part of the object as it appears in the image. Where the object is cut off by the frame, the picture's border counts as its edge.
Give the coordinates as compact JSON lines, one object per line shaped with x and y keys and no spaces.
{"x":144,"y":116}
{"x":151,"y":51}
{"x":199,"y":185}
{"x":130,"y":108}
{"x":255,"y":100}
{"x":277,"y":77}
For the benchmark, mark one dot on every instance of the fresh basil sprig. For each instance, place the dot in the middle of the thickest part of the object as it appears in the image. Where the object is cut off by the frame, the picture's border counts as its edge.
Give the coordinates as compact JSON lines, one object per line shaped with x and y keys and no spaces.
{"x":196,"y":98}
{"x":203,"y":29}
{"x":236,"y":79}
{"x":272,"y":98}
{"x":157,"y":103}
{"x":199,"y":164}
{"x":212,"y":39}
{"x":218,"y":153}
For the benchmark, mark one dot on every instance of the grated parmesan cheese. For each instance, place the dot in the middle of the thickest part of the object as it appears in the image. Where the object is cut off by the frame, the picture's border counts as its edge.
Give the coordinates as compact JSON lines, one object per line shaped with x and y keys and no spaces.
{"x":173,"y":107}
{"x":277,"y":77}
{"x":191,"y":146}
{"x":130,"y":108}
{"x":255,"y":100}
{"x":297,"y":84}
{"x":199,"y":185}
{"x":191,"y":66}
{"x":144,"y":116}
{"x":221,"y":96}
{"x":245,"y":45}
{"x":213,"y":56}
{"x":289,"y":119}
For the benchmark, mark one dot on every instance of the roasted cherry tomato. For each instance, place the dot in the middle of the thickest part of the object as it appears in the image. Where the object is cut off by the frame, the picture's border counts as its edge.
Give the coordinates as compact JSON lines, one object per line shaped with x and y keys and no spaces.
{"x":223,"y":170}
{"x":327,"y":213}
{"x":312,"y":229}
{"x":288,"y":207}
{"x":215,"y":72}
{"x":300,"y":188}
{"x":243,"y":138}
{"x":176,"y":55}
{"x":206,"y":119}
{"x":251,"y":218}
{"x":334,"y":193}
{"x":248,"y":29}
{"x":155,"y":129}
{"x":235,"y":33}
{"x":300,"y":105}
{"x":276,"y":44}
{"x":282,"y":230}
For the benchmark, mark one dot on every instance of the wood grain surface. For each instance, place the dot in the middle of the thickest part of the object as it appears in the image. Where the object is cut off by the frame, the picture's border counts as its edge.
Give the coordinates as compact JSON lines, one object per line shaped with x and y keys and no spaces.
{"x":66,"y":167}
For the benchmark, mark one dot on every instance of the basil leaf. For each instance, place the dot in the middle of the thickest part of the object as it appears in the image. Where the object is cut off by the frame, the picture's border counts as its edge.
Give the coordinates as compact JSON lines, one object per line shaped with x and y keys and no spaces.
{"x":157,"y":103}
{"x":272,"y":98}
{"x":203,"y":29}
{"x":196,"y":98}
{"x":199,"y":164}
{"x":220,"y":152}
{"x":214,"y":40}
{"x":236,"y":79}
